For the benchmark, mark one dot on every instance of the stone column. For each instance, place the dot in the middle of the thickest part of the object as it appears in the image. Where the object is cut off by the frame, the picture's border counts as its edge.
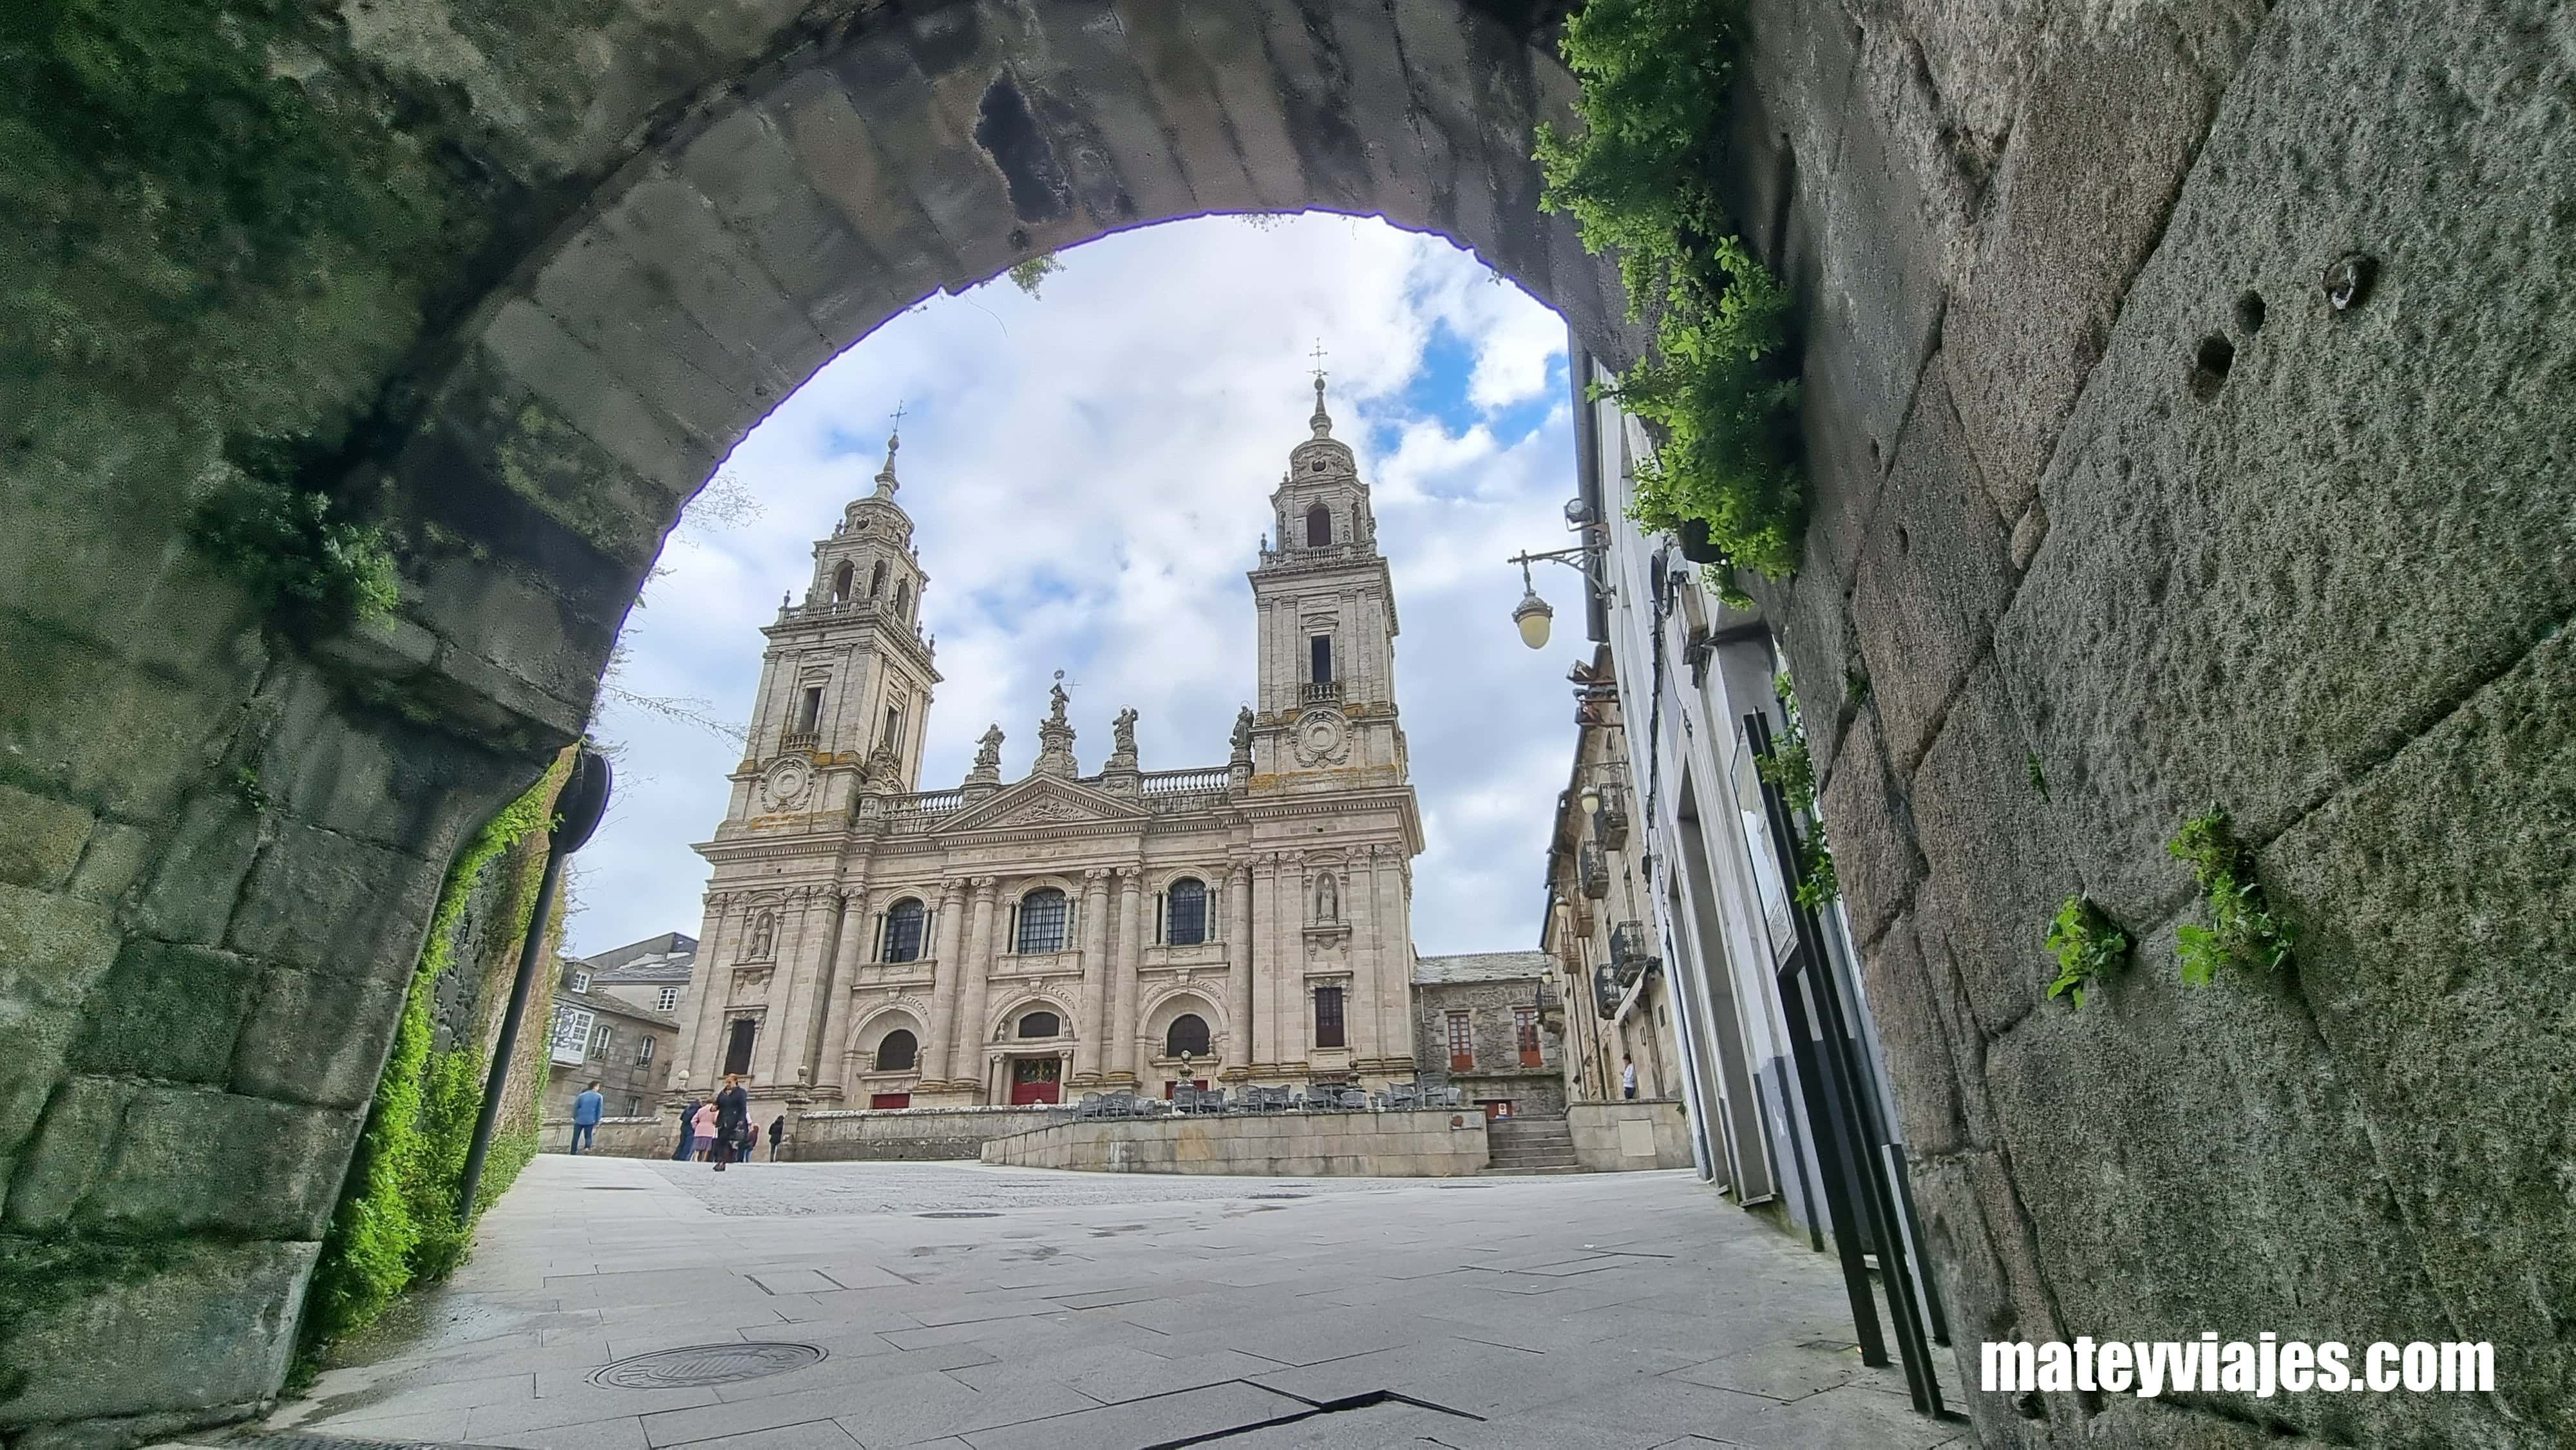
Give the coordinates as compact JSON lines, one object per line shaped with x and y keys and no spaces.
{"x":791,"y":994}
{"x":1122,"y":986}
{"x":832,"y":1022}
{"x":1093,"y":1032}
{"x":1262,"y":936}
{"x":948,"y":968}
{"x":1238,"y":963}
{"x":1394,"y":949}
{"x":706,"y":994}
{"x":1361,"y":1030}
{"x":966,"y":1050}
{"x":1286,"y":1003}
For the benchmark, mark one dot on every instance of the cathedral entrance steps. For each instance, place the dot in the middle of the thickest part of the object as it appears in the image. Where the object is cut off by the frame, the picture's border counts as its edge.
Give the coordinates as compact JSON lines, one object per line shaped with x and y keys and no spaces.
{"x":1529,"y":1145}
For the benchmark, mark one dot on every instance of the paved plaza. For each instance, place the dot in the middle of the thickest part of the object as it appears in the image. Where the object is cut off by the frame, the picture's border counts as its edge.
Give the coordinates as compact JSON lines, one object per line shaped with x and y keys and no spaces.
{"x":966,"y":1307}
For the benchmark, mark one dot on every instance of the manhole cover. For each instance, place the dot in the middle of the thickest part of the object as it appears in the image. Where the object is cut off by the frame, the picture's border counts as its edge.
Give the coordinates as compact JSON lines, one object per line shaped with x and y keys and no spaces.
{"x":959,"y":1213}
{"x":704,"y":1364}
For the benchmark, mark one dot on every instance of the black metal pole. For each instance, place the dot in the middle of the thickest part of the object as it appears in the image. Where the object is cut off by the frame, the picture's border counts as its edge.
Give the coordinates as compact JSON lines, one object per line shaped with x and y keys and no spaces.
{"x":578,"y":807}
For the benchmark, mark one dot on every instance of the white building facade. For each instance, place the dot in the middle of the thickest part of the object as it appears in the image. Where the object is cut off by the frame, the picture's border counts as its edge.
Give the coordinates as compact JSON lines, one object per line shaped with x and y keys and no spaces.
{"x":869,"y":944}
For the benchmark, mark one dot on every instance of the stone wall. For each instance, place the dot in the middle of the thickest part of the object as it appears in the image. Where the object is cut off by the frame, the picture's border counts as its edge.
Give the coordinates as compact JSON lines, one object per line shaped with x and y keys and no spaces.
{"x":1630,"y":1134}
{"x":1416,"y":1144}
{"x":2116,"y":515}
{"x":1498,"y":1074}
{"x":909,"y":1134}
{"x":620,"y":1137}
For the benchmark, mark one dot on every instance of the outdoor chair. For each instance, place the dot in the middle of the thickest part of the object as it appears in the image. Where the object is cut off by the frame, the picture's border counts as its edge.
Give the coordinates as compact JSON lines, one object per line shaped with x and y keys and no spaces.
{"x":1089,"y":1107}
{"x":1212,"y":1100}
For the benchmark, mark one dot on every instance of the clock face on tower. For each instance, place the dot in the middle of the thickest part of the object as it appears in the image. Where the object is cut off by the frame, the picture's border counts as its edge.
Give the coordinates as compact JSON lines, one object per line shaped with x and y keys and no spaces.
{"x":1323,"y":738}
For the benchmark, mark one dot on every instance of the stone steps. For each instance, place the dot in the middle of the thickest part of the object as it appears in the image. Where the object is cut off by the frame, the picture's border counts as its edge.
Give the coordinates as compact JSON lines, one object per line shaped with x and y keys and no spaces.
{"x":1529,"y":1145}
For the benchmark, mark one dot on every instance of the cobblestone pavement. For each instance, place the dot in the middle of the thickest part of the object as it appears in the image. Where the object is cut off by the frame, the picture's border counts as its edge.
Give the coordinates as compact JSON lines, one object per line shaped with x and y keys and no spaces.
{"x":844,"y":1307}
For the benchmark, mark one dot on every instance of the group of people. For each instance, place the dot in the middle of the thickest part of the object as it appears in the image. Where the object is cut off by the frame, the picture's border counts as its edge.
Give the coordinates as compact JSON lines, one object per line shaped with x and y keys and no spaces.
{"x":719,"y":1130}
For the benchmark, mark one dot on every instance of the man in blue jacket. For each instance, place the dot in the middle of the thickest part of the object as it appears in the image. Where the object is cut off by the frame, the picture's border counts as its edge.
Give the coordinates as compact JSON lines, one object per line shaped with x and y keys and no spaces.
{"x":585,"y":1115}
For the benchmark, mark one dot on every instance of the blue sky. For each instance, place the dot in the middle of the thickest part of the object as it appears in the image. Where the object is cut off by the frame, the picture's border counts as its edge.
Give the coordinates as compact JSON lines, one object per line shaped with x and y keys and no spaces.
{"x":1088,"y":473}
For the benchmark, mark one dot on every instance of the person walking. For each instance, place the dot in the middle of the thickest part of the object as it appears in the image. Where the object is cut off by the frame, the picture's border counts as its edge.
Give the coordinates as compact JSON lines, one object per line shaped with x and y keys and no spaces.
{"x":702,"y":1128}
{"x":688,"y":1133}
{"x":585,"y":1116}
{"x":1627,"y":1076}
{"x":733,"y":1120}
{"x":777,"y":1130}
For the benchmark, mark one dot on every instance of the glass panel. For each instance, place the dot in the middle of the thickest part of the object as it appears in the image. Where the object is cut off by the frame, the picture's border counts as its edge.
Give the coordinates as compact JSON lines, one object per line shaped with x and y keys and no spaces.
{"x":1041,"y":1024}
{"x":1189,"y":914}
{"x":903,"y":932}
{"x":897,"y":1052}
{"x":1042,"y":921}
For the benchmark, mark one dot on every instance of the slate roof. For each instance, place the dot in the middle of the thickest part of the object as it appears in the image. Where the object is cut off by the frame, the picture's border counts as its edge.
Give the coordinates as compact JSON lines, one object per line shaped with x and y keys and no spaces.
{"x":1481,"y":967}
{"x":616,"y":1007}
{"x":663,"y":959}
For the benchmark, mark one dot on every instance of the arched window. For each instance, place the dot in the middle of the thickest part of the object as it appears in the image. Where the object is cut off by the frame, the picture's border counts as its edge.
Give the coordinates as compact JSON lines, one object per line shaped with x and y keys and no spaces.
{"x":1188,"y":1037}
{"x":841,"y":579}
{"x":876,"y":580}
{"x":1185,"y":913}
{"x":1041,"y":1024}
{"x":1319,"y":527}
{"x":898,"y":1051}
{"x":902,"y":600}
{"x":1042,"y":914}
{"x":903,"y":925}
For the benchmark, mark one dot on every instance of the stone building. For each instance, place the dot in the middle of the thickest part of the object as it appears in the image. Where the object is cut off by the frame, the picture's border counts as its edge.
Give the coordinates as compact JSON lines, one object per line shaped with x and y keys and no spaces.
{"x":1600,"y":928}
{"x":594,"y":1034}
{"x":1488,"y":1025}
{"x":871,"y":944}
{"x":653,"y":973}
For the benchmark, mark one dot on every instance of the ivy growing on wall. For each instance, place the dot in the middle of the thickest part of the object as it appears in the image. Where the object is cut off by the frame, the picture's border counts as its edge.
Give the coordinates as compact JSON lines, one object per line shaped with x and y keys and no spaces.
{"x":1722,"y":381}
{"x":1793,"y":770}
{"x":2243,"y":932}
{"x":396,"y":1221}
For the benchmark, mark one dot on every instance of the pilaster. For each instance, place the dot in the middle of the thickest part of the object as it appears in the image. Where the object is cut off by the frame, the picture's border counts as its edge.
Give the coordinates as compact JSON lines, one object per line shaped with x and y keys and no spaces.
{"x":1094,"y":1032}
{"x":1131,"y":955}
{"x":948,"y":968}
{"x":1238,"y":961}
{"x":966,"y":1052}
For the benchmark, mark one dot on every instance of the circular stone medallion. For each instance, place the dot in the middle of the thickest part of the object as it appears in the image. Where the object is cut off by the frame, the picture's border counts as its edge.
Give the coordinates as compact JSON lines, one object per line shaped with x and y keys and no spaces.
{"x":1323,"y":738}
{"x":705,"y":1364}
{"x":787,"y":783}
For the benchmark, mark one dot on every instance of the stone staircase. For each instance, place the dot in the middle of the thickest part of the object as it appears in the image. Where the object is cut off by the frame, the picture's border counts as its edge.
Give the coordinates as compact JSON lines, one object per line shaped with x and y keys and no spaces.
{"x":1530,"y":1145}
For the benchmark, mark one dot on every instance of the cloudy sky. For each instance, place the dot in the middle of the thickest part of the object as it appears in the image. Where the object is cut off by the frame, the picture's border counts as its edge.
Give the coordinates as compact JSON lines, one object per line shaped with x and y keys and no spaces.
{"x":1088,"y":472}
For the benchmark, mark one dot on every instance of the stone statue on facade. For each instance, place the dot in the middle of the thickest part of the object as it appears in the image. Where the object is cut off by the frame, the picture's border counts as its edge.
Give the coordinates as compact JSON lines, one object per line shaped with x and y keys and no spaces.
{"x":764,"y":935}
{"x":1122,"y":732}
{"x":1055,"y":737}
{"x":1055,"y":714}
{"x":988,"y":751}
{"x":1243,"y":733}
{"x":1328,"y":901}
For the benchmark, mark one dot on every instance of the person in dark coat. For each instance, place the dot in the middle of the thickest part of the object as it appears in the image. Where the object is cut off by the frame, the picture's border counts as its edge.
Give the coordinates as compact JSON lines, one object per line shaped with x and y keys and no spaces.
{"x":777,"y":1130}
{"x":733,"y":1120}
{"x":688,"y":1133}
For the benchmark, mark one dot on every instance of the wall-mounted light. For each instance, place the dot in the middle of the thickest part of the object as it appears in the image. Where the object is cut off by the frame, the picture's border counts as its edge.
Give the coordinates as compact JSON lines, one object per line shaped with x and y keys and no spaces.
{"x":1532,"y":615}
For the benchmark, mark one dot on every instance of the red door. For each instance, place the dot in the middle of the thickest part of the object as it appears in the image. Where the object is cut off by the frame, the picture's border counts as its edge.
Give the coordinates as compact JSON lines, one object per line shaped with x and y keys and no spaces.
{"x":1037,"y":1080}
{"x":889,"y":1100}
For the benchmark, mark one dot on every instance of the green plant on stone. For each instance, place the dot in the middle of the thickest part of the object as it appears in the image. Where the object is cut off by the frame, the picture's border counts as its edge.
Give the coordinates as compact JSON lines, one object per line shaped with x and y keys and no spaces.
{"x":247,"y":788}
{"x":1028,"y":276}
{"x":2038,"y":777}
{"x":1792,"y":769}
{"x":316,"y":572}
{"x":2243,"y":932}
{"x":2088,"y":946}
{"x":1721,"y":385}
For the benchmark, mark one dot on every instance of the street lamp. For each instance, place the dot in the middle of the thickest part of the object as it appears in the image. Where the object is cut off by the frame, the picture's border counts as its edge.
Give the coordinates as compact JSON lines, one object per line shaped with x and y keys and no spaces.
{"x":1591,"y":798}
{"x":1532,"y":615}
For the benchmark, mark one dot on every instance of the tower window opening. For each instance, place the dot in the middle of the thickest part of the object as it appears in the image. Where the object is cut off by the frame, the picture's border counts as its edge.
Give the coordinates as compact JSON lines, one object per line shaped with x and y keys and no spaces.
{"x":841,"y":580}
{"x":876,"y":580}
{"x":893,"y":737}
{"x":809,"y":713}
{"x":1319,"y":527}
{"x":902,"y":600}
{"x":1319,"y":651}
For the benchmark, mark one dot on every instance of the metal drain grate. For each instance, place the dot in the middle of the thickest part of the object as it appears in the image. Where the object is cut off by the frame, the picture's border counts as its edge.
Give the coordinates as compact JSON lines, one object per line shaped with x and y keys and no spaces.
{"x":959,"y":1213}
{"x":704,"y":1364}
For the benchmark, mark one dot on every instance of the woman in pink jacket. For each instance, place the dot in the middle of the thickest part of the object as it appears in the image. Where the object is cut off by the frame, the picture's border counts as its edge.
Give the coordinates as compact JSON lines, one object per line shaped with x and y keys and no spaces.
{"x":704,"y":1126}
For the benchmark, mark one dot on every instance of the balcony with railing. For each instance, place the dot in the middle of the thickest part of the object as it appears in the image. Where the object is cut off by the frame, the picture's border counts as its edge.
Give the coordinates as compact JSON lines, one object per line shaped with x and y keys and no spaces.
{"x":790,"y":741}
{"x":854,"y":611}
{"x":1632,"y":950}
{"x":1170,"y":791}
{"x":1610,"y":817}
{"x":1592,"y":868}
{"x":1319,"y":692}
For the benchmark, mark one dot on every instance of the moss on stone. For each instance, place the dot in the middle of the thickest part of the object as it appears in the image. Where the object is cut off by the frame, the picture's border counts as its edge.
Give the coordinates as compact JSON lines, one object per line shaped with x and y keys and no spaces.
{"x":61,"y":1268}
{"x":396,"y":1221}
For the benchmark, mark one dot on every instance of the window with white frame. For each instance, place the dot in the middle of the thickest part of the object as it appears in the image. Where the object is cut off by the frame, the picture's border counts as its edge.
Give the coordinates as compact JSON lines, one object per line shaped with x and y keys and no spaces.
{"x":667,"y":1000}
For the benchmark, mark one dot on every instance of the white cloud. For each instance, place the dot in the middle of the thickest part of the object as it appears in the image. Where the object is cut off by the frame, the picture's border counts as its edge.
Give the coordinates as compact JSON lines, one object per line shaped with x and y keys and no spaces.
{"x":1089,"y":475}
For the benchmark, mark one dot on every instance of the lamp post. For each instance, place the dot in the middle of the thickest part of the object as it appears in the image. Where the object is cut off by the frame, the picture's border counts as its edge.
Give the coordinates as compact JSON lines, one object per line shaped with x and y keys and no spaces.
{"x":1532,"y":615}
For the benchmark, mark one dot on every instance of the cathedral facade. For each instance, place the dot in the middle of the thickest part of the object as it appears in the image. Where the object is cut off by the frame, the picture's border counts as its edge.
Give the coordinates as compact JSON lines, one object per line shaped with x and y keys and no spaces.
{"x":871,"y":944}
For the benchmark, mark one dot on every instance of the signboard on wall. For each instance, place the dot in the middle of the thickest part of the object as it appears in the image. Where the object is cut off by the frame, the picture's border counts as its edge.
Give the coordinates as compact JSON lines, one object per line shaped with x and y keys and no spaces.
{"x":571,"y":1038}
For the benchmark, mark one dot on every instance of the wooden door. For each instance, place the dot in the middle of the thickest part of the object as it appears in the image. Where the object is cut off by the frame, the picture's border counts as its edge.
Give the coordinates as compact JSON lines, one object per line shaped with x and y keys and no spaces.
{"x":1037,"y":1080}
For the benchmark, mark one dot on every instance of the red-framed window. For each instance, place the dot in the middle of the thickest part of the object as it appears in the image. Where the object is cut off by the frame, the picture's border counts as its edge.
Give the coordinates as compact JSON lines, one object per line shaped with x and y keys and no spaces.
{"x":1462,"y":1044}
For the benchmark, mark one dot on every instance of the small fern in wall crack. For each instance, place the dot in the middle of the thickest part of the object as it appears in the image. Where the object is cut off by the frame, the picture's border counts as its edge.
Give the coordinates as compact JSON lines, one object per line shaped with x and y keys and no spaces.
{"x":1793,"y":770}
{"x":2089,"y":947}
{"x":2243,"y":931}
{"x":312,"y":569}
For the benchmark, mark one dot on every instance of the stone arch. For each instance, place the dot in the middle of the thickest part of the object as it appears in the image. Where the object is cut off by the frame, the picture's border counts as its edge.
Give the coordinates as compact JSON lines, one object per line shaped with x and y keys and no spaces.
{"x":871,"y":1031}
{"x":1154,"y":1022}
{"x":841,"y":578}
{"x":1000,"y":1027}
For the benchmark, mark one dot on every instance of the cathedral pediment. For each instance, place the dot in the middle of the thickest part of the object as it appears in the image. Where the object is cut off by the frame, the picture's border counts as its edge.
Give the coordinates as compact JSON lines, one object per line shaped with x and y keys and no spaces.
{"x":1043,"y":801}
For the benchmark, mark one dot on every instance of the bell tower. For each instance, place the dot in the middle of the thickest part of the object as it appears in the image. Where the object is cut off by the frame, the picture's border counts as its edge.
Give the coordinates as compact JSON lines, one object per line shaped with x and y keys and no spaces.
{"x":1324,"y":716}
{"x":845,"y":684}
